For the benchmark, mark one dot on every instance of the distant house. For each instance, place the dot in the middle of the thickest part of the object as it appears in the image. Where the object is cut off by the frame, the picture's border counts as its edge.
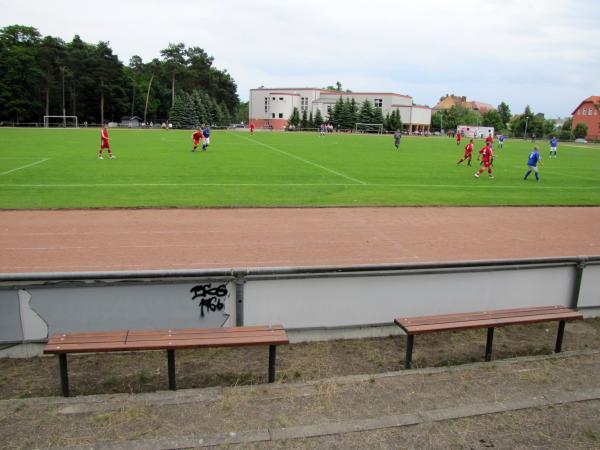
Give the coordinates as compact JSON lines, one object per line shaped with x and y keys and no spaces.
{"x":453,"y":100}
{"x":131,"y":122}
{"x":588,"y":112}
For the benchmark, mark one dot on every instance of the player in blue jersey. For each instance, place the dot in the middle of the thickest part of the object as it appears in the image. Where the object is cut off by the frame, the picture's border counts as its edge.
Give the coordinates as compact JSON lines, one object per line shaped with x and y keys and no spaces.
{"x":532,"y":162}
{"x":553,"y":145}
{"x":501,"y":140}
{"x":205,"y":137}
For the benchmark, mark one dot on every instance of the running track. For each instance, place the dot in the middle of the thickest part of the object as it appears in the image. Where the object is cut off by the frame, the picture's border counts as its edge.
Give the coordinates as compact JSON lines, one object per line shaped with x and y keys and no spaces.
{"x":130,"y":239}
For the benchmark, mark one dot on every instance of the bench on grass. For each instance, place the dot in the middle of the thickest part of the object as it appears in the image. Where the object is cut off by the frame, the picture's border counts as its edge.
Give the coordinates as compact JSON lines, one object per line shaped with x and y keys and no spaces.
{"x":485,"y":319}
{"x":138,"y":340}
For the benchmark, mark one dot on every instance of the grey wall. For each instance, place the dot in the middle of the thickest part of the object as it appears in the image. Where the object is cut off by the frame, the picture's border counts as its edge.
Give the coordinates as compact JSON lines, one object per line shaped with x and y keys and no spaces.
{"x":32,"y":306}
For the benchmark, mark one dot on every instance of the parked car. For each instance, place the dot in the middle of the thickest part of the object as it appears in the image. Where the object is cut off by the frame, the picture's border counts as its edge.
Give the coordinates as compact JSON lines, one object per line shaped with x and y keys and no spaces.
{"x":580,"y":141}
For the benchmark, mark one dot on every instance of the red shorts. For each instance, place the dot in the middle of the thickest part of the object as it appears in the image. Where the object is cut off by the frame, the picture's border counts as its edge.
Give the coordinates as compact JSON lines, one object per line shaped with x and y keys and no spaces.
{"x":196,"y":141}
{"x":486,"y":164}
{"x":468,"y":155}
{"x":104,"y":144}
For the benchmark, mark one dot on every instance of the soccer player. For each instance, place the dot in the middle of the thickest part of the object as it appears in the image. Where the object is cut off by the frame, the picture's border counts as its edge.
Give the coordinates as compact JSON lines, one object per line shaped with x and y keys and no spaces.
{"x":468,"y":153}
{"x":501,"y":140}
{"x":104,"y":143}
{"x":487,"y":156}
{"x":458,"y":138}
{"x":553,"y":145}
{"x":532,"y":162}
{"x":205,"y":137}
{"x":251,"y":128}
{"x":397,"y":137}
{"x":489,"y":140}
{"x":196,"y":136}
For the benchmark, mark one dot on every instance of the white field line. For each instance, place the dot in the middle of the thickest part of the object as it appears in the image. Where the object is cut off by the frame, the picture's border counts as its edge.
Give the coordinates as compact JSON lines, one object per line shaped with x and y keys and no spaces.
{"x":578,"y":146}
{"x":291,"y":155}
{"x":476,"y":185}
{"x":24,"y":167}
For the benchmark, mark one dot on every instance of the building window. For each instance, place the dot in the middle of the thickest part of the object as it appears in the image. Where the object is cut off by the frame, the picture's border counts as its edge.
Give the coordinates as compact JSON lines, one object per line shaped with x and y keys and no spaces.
{"x":303,"y":104}
{"x":281,"y":98}
{"x":266,"y":104}
{"x":378,"y":103}
{"x":584,"y":111}
{"x":273,"y":115}
{"x":281,"y":115}
{"x":273,"y":98}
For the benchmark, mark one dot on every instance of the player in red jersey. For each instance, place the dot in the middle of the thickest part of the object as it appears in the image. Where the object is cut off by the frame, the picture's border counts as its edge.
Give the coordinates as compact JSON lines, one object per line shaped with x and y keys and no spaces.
{"x":489,"y":140}
{"x":251,"y":128}
{"x":468,"y":153}
{"x":196,"y":137}
{"x":104,"y":143}
{"x":487,"y":156}
{"x":458,"y":138}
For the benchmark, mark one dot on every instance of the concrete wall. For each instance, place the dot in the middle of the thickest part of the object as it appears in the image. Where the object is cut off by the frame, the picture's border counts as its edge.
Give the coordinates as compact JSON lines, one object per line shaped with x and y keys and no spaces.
{"x":34,"y":306}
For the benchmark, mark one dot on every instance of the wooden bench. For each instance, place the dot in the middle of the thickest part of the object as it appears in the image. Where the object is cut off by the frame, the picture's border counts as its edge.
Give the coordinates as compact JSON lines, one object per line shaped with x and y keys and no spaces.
{"x":485,"y":319}
{"x":136,"y":340}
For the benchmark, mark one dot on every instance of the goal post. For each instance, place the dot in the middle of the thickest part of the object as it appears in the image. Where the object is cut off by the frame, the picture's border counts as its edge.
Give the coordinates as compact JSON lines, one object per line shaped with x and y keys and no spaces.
{"x":61,"y":121}
{"x":369,"y":128}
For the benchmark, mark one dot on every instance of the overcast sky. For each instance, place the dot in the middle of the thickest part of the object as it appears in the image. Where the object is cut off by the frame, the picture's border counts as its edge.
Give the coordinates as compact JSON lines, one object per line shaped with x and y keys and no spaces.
{"x":545,"y":53}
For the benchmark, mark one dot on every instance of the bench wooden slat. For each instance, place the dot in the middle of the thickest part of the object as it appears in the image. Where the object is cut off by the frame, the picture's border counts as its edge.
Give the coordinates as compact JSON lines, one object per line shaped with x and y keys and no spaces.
{"x":457,"y":317}
{"x":205,"y":342}
{"x":58,"y":339}
{"x":165,"y":336}
{"x":489,"y":322}
{"x":134,"y":334}
{"x":165,"y":339}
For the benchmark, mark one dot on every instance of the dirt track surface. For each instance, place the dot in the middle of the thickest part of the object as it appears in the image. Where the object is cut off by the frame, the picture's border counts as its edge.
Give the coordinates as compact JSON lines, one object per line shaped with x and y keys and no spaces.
{"x":110,"y":240}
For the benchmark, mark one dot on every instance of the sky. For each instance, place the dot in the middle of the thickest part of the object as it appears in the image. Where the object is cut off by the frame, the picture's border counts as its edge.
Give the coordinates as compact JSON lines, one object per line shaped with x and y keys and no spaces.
{"x":542,"y":53}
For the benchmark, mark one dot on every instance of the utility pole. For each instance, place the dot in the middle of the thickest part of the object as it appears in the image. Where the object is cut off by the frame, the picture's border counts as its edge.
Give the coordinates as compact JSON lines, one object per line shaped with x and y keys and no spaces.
{"x":525,"y":135}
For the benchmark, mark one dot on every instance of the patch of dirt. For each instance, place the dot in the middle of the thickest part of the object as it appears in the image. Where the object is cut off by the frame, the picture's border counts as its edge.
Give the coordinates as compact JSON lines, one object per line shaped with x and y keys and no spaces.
{"x":137,"y":372}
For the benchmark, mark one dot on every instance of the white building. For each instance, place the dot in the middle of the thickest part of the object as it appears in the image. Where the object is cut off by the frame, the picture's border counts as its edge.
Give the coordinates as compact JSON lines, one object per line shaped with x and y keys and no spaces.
{"x":271,"y":107}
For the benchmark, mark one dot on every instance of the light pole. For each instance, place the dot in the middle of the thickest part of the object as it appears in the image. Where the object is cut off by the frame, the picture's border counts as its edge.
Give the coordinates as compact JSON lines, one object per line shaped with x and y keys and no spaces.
{"x":526,"y":120}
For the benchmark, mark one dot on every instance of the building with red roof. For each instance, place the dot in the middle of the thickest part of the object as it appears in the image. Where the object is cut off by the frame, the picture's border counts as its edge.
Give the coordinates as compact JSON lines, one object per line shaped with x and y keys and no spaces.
{"x":588,"y":112}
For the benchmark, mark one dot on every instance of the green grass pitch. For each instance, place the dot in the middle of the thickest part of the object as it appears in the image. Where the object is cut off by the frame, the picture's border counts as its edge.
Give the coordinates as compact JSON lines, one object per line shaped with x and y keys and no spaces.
{"x":59,"y":168}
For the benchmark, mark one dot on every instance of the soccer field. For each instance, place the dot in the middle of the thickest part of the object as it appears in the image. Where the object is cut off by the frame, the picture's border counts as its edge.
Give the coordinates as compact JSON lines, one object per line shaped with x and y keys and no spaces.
{"x":59,"y":168}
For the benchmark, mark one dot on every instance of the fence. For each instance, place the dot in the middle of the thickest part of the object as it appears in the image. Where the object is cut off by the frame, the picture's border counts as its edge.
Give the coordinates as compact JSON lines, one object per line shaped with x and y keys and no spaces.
{"x":310,"y":302}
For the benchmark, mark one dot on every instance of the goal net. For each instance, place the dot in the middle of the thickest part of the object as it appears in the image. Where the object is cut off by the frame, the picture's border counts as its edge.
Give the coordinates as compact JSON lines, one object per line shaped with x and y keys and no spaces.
{"x":61,"y":121}
{"x":369,"y":128}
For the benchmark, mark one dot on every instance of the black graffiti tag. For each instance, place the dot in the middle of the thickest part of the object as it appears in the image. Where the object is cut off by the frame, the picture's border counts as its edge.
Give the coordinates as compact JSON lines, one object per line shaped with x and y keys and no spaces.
{"x":210,"y":297}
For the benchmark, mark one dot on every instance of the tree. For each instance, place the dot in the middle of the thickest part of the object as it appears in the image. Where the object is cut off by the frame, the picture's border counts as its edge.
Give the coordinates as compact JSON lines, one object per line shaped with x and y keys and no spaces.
{"x":565,"y":130}
{"x":365,"y":113}
{"x":294,"y":119}
{"x":580,"y":131}
{"x":174,"y":58}
{"x":318,"y":118}
{"x":505,"y":115}
{"x":242,"y":112}
{"x":492,"y":118}
{"x":182,"y":112}
{"x":21,"y":77}
{"x":348,"y":116}
{"x":304,"y":121}
{"x":311,"y":121}
{"x":377,"y":115}
{"x":337,"y":113}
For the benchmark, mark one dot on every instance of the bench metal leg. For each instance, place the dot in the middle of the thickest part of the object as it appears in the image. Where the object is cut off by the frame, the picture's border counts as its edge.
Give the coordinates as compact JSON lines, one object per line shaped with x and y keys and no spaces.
{"x":64,"y":375}
{"x":559,"y":337}
{"x":272,"y":356}
{"x":409,"y":348}
{"x":488,"y":344}
{"x":171,"y":369}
